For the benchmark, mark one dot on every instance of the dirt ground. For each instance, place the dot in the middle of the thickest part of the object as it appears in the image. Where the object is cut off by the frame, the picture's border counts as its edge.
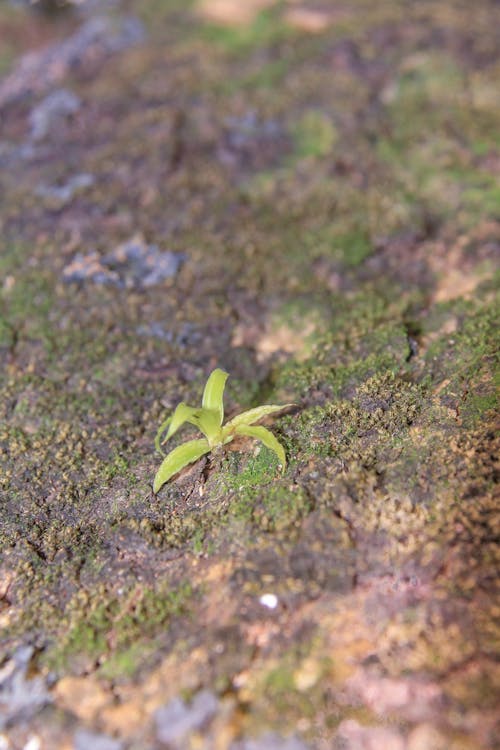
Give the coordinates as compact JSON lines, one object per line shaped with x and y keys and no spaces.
{"x":305,"y":194}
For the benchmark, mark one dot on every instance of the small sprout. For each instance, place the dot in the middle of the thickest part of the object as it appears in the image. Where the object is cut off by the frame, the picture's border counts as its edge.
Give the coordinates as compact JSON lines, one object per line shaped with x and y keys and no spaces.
{"x":208,"y":419}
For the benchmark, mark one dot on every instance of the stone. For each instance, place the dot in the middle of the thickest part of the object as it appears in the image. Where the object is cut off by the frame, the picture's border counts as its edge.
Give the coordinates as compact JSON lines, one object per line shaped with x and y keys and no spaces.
{"x":95,"y":40}
{"x":426,"y":737}
{"x":60,"y":195}
{"x":48,"y":114}
{"x":21,"y":697}
{"x":354,"y":736}
{"x":83,"y":696}
{"x":270,"y":741}
{"x":176,"y":720}
{"x":134,"y":264}
{"x":85,"y":740}
{"x":250,"y":142}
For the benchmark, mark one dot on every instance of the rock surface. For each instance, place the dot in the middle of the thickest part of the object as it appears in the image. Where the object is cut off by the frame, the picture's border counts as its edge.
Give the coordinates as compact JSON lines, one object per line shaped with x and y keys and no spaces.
{"x":306,"y":195}
{"x":176,"y":721}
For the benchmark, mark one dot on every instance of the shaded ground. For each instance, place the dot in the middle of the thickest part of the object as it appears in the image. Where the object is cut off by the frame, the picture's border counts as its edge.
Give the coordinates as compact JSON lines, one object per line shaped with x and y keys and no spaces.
{"x":305,"y":194}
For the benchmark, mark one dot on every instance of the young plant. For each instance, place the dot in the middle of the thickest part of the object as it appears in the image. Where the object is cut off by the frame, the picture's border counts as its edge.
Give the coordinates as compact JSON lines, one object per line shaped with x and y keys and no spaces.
{"x":209,"y":420}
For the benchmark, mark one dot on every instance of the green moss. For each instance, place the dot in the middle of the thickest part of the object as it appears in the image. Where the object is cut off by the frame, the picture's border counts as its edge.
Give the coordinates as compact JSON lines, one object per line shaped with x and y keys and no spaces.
{"x":433,"y":78}
{"x":479,"y":406}
{"x":166,"y":14}
{"x":125,"y":664}
{"x":102,"y":627}
{"x":264,"y":77}
{"x":342,"y":242}
{"x":355,"y":246}
{"x":474,"y":342}
{"x":12,"y":19}
{"x":360,"y":428}
{"x":259,"y":469}
{"x":265,"y":30}
{"x":118,"y":465}
{"x":172,"y":530}
{"x":89,"y":635}
{"x":315,"y":135}
{"x":259,"y":500}
{"x":281,"y":700}
{"x":25,"y":306}
{"x":279,"y":679}
{"x":283,"y":508}
{"x":326,"y":382}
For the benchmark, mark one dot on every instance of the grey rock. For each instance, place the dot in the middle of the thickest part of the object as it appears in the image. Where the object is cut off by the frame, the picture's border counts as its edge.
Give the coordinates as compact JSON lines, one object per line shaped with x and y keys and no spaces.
{"x":11,"y":153}
{"x":96,"y":39}
{"x":47,"y":6}
{"x":146,"y":264}
{"x":176,"y":720}
{"x":89,"y":268}
{"x":60,"y":195}
{"x":250,"y":142}
{"x":354,"y":736}
{"x":241,"y":130}
{"x":134,"y":264}
{"x":54,"y":108}
{"x":20,"y":696}
{"x":187,"y":336}
{"x":155,"y":331}
{"x":84,"y":740}
{"x":270,"y":741}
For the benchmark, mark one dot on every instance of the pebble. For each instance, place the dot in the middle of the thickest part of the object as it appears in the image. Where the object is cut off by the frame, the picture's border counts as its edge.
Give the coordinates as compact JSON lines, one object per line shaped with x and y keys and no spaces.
{"x":60,"y":195}
{"x":49,"y":113}
{"x":176,"y":720}
{"x":249,"y":141}
{"x":155,"y":331}
{"x":426,"y":737}
{"x":270,"y":741}
{"x":187,"y":336}
{"x":85,"y":740}
{"x":354,"y":736}
{"x":134,"y":264}
{"x":96,"y":39}
{"x":20,"y":697}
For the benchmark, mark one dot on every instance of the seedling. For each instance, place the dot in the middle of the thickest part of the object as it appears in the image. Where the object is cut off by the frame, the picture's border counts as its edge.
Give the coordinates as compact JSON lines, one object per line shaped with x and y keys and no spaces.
{"x":209,"y":420}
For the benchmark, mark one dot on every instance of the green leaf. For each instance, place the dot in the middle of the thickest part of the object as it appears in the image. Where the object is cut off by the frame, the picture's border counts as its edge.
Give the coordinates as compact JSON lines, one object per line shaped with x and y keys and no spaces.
{"x":214,"y":393}
{"x":161,"y":430}
{"x":183,"y":413}
{"x":253,"y":415}
{"x":179,"y":458}
{"x":266,"y":437}
{"x":210,"y":426}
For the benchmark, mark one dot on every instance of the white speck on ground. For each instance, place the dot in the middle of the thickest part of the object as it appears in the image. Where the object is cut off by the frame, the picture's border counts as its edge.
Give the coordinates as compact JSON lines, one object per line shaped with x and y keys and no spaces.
{"x":269,"y":600}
